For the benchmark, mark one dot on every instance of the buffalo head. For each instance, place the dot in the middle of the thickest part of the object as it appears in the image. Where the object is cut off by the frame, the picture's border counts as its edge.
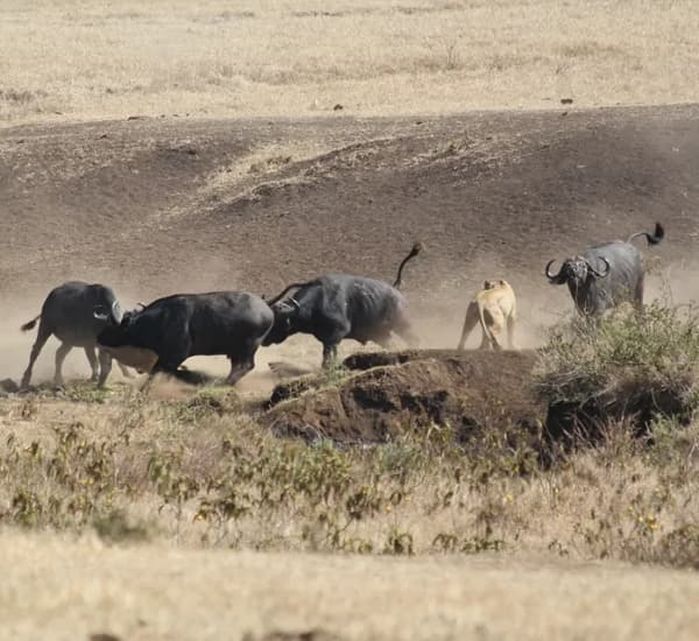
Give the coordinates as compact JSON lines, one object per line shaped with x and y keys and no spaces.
{"x":115,"y":333}
{"x":576,"y":271}
{"x":285,"y":317}
{"x":121,"y":343}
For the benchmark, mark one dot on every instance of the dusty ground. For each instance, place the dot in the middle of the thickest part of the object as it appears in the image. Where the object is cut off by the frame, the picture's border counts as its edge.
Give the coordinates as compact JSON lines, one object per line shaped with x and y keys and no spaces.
{"x":83,"y":588}
{"x":155,"y":205}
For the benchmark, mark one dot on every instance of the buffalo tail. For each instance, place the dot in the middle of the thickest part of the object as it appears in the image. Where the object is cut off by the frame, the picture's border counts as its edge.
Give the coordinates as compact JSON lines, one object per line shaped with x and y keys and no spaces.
{"x":654,"y":238}
{"x":417,"y":248}
{"x":31,"y":324}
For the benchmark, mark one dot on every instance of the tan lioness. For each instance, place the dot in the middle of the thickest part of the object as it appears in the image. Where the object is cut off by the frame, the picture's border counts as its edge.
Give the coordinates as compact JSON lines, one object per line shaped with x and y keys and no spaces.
{"x":495,"y":307}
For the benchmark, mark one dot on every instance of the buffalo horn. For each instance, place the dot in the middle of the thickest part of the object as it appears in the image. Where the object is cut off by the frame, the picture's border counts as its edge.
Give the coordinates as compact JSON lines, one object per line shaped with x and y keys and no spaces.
{"x":549,"y":275}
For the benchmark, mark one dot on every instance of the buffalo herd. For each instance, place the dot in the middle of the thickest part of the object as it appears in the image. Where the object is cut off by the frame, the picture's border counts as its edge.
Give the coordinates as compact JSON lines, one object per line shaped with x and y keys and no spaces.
{"x":160,"y":336}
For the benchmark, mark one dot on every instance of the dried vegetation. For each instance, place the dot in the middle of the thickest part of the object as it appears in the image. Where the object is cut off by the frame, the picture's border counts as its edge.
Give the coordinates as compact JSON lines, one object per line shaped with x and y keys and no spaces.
{"x":203,"y":472}
{"x":85,"y":59}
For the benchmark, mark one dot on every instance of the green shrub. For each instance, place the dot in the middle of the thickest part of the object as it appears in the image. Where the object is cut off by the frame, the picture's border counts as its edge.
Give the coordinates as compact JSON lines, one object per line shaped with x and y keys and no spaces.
{"x":658,"y":349}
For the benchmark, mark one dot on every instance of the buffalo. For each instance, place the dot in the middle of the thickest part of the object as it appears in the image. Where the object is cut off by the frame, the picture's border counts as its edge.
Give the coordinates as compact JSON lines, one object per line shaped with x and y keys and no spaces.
{"x":606,"y":275}
{"x":333,"y":307}
{"x":173,"y":328}
{"x":68,"y":314}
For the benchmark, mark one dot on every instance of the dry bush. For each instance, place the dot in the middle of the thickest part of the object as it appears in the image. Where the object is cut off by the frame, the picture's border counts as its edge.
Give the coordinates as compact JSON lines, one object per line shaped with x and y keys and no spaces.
{"x":200,"y":472}
{"x":624,"y":366}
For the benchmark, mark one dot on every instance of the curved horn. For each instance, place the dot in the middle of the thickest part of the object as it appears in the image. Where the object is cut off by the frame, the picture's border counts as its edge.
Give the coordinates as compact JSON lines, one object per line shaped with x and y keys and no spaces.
{"x":295,"y":303}
{"x":100,"y":315}
{"x":116,"y":312}
{"x":598,"y":273}
{"x":278,"y":297}
{"x":554,"y":278}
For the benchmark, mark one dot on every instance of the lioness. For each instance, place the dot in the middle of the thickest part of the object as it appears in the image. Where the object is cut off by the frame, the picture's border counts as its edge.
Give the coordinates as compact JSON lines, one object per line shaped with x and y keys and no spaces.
{"x":494,"y":306}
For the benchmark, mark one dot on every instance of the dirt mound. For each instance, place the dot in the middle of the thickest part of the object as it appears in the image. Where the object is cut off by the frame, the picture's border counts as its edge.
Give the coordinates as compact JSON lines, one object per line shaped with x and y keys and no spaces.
{"x":411,"y":390}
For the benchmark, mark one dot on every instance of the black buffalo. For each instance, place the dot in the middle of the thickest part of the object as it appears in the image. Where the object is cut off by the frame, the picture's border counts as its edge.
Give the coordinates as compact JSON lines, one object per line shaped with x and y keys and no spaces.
{"x":606,"y":275}
{"x":183,"y":325}
{"x":68,"y":314}
{"x":337,"y":306}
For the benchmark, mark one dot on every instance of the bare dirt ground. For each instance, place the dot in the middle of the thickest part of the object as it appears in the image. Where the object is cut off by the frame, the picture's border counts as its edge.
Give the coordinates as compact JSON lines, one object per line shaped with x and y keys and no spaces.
{"x":153,"y":206}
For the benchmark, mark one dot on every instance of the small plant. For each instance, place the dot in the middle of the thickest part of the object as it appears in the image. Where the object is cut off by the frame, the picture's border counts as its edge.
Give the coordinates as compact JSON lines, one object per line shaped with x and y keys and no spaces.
{"x":680,"y":547}
{"x":116,"y":527}
{"x":399,"y":543}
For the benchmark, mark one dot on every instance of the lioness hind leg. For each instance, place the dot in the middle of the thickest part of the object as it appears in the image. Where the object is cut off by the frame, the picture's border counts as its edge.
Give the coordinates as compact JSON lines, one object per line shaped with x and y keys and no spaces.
{"x":493,"y":322}
{"x":511,"y":322}
{"x":470,"y":321}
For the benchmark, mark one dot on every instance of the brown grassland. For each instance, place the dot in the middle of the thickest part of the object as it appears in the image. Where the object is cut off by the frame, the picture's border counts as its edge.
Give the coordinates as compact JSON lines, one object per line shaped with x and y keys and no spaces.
{"x":91,"y":59}
{"x":171,"y":145}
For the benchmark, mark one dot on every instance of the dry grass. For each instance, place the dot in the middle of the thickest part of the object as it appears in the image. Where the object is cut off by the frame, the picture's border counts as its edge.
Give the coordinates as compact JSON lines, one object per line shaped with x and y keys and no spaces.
{"x":199,"y":472}
{"x":156,"y":593}
{"x":89,"y":59}
{"x":96,"y":486}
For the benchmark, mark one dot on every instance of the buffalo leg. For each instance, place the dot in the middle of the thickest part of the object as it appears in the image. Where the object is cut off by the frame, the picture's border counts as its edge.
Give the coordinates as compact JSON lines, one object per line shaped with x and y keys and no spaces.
{"x":169,"y":366}
{"x":42,"y":336}
{"x":92,"y":358}
{"x":329,"y":354}
{"x":61,"y":353}
{"x":638,"y":295}
{"x":176,"y":346}
{"x":105,"y":367}
{"x":240,"y":368}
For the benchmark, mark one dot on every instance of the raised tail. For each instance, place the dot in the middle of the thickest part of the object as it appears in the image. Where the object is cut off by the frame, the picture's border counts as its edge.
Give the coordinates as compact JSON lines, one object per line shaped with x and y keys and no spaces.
{"x":30,"y":325}
{"x":653,"y":239}
{"x":417,"y":248}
